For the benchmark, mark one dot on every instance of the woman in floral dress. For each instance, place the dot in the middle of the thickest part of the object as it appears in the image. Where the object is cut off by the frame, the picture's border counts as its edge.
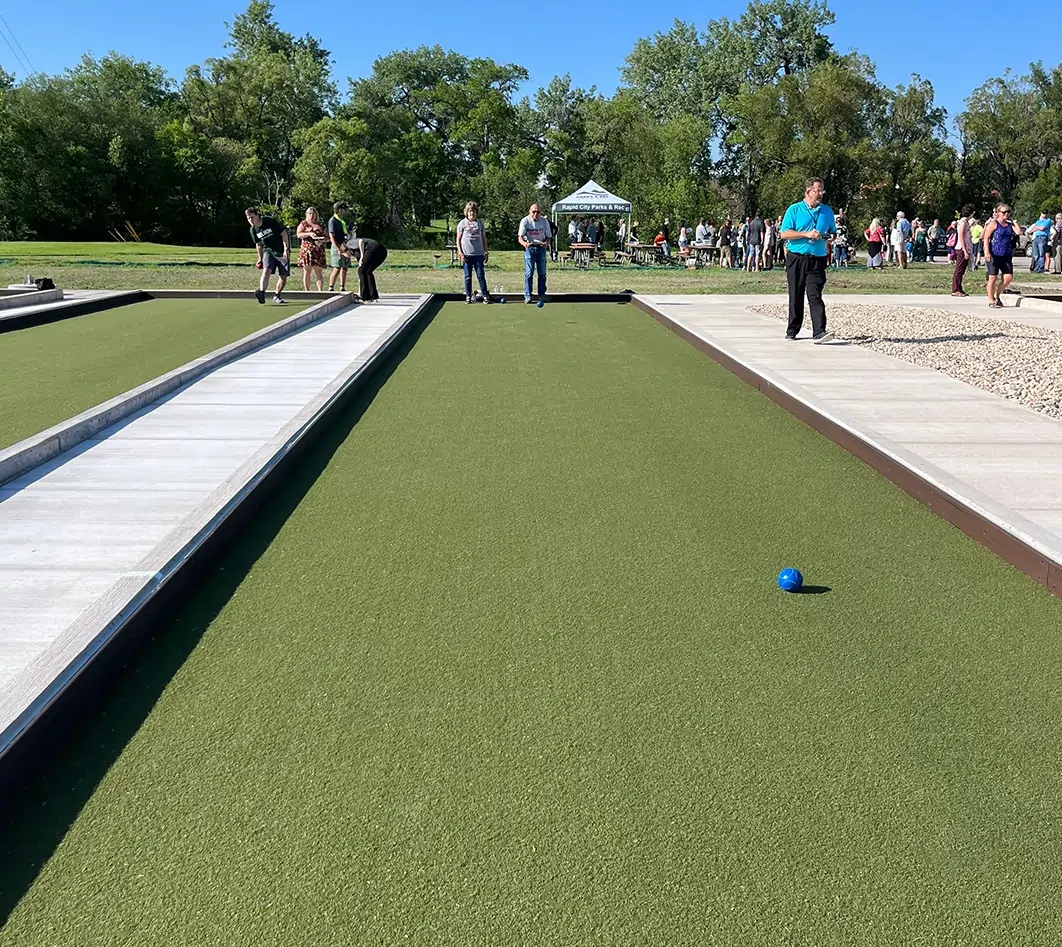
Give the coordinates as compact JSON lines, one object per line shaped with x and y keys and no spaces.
{"x":312,"y":239}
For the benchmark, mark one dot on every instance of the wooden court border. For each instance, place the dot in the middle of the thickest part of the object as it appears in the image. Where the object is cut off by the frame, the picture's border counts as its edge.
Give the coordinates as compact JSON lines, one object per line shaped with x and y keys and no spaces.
{"x":1021,"y":555}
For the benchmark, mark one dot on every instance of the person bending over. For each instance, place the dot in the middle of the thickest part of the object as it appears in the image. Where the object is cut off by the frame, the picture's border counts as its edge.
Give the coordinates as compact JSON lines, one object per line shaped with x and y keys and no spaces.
{"x":369,"y":254}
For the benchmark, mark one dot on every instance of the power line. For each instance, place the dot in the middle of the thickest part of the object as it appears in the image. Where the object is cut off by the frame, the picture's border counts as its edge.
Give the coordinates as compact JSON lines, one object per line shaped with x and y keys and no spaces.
{"x":26,"y":64}
{"x":13,"y":53}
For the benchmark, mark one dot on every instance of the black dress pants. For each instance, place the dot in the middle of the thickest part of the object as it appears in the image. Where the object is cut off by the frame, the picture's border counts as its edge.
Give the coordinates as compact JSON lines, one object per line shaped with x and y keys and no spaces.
{"x":375,"y":254}
{"x":805,"y":274}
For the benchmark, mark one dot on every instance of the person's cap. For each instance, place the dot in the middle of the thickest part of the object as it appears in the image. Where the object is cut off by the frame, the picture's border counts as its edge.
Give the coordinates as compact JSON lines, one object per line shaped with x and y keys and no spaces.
{"x":340,"y":205}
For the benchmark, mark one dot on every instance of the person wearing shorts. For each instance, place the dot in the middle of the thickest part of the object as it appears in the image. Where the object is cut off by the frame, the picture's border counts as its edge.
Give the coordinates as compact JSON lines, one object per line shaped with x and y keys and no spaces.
{"x":339,"y":232}
{"x":998,"y":240}
{"x":270,"y":238}
{"x":369,"y":254}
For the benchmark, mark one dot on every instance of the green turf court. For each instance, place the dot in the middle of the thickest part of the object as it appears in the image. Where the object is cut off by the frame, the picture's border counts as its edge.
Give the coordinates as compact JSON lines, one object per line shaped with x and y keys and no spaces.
{"x":504,"y":664}
{"x":55,"y":371}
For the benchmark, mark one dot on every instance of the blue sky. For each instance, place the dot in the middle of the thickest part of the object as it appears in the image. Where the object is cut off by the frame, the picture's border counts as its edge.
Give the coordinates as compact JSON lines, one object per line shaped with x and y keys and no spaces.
{"x":589,"y":41}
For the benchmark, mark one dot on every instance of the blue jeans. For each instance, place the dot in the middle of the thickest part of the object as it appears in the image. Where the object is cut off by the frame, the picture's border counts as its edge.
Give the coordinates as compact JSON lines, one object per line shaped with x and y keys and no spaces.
{"x":535,"y":258}
{"x":1039,"y":253}
{"x":474,"y":263}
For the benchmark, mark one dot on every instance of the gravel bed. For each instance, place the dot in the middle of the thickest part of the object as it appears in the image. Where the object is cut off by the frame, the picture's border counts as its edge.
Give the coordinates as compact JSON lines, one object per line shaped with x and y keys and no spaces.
{"x":1021,"y":363}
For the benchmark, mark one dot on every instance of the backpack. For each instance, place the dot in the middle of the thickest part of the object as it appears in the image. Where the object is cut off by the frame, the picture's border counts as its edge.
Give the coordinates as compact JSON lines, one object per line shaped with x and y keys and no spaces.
{"x":1001,"y":241}
{"x":953,"y":239}
{"x":45,"y":282}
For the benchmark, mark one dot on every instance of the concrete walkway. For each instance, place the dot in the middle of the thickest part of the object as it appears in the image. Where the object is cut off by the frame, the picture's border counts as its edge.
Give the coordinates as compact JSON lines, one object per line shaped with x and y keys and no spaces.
{"x":83,"y":534}
{"x":994,"y":457}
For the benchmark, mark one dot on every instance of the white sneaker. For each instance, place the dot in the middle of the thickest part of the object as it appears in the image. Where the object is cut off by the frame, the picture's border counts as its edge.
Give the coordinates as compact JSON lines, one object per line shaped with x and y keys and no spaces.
{"x":825,"y":337}
{"x":279,"y":301}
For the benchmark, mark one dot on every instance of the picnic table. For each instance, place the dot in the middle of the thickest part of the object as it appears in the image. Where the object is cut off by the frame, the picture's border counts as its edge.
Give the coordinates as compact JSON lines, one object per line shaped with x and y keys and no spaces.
{"x":582,"y":253}
{"x":454,"y":261}
{"x":646,"y":253}
{"x":704,"y":253}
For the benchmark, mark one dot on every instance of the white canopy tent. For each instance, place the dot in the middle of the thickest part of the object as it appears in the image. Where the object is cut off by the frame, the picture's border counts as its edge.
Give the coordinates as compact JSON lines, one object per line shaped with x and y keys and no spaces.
{"x":593,"y":199}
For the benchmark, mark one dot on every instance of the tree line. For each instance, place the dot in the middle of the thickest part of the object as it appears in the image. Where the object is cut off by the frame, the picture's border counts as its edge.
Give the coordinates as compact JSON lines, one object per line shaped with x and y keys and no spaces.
{"x":714,"y":122}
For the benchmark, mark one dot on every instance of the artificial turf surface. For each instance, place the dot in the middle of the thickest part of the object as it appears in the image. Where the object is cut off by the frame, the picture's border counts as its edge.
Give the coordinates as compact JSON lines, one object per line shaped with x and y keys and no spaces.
{"x":504,"y":663}
{"x":55,"y":371}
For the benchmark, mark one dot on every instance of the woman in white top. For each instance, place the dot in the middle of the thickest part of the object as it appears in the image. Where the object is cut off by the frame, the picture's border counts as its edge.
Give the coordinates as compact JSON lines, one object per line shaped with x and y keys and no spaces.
{"x":896,"y":243}
{"x":963,"y":250}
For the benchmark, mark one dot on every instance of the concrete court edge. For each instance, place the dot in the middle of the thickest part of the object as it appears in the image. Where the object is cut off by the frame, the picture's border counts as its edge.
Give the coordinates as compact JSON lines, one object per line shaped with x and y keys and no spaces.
{"x":70,"y":308}
{"x":1032,"y":562}
{"x":40,"y":730}
{"x":13,"y":299}
{"x":46,"y":445}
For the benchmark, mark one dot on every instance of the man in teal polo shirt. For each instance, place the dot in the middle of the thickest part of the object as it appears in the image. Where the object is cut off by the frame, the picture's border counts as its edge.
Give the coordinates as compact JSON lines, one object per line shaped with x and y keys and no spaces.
{"x":805,"y":227}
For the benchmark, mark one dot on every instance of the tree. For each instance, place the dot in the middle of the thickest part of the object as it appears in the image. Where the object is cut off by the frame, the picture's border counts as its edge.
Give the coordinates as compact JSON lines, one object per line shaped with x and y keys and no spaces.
{"x":919,"y":170}
{"x":270,"y":88}
{"x":438,"y":121}
{"x":667,"y":73}
{"x":819,"y":123}
{"x":1044,"y":193}
{"x":685,"y":72}
{"x":775,"y":38}
{"x":560,"y":119}
{"x":1011,"y":128}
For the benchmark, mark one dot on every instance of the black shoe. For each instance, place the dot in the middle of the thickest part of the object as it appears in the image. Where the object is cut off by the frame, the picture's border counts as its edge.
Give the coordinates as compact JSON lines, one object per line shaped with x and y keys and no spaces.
{"x":790,"y":337}
{"x":486,"y":300}
{"x":468,"y":299}
{"x":260,"y":296}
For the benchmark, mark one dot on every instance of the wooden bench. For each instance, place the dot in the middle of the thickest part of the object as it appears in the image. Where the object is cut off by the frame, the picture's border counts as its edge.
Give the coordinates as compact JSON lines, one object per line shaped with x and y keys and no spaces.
{"x":454,"y":261}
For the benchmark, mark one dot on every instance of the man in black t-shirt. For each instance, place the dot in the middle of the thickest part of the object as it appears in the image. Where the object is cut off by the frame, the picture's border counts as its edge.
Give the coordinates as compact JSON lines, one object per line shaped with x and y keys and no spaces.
{"x":270,"y":238}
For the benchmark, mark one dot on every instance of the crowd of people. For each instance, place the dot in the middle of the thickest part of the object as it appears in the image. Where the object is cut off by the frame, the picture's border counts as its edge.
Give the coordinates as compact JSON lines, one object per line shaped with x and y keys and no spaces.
{"x":753,"y":244}
{"x":996,"y":241}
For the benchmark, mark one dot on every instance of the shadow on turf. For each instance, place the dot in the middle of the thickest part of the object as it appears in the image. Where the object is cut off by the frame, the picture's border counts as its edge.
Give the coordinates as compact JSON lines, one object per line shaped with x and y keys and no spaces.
{"x":814,"y":589}
{"x":40,"y":814}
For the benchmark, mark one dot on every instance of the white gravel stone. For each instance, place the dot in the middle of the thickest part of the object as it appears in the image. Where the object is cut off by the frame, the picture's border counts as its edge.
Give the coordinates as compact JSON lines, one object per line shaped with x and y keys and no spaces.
{"x":1018,"y":362}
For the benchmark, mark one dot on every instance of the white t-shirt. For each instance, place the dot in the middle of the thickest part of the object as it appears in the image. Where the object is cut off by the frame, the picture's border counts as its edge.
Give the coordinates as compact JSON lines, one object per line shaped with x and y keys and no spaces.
{"x":471,"y":237}
{"x":535,"y":231}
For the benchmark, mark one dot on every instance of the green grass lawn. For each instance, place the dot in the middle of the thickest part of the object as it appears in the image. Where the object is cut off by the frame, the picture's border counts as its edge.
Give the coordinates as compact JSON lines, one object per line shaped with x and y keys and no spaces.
{"x":55,"y":371}
{"x":152,"y":266}
{"x":504,"y":663}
